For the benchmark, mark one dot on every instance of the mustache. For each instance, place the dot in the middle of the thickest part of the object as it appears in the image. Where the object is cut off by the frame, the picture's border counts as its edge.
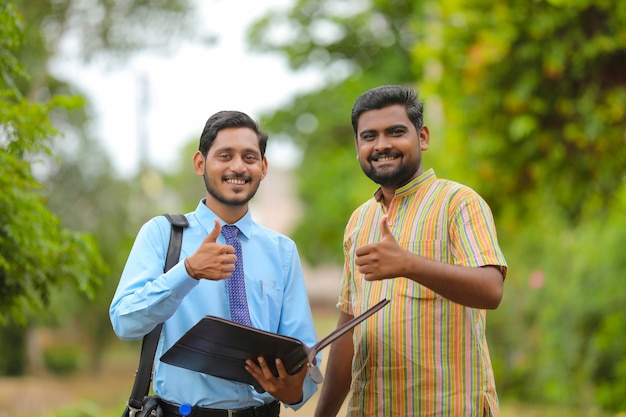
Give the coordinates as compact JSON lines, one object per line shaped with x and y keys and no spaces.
{"x":237,"y":177}
{"x":376,"y":155}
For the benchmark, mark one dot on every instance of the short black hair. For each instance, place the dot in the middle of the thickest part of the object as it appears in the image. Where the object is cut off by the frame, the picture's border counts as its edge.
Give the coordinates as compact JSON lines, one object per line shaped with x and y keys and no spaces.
{"x":388,"y":95}
{"x":229,"y":119}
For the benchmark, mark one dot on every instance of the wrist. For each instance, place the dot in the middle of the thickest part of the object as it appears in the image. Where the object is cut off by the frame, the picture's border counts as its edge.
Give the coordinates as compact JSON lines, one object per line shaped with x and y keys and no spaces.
{"x":297,"y":402}
{"x":190,"y":271}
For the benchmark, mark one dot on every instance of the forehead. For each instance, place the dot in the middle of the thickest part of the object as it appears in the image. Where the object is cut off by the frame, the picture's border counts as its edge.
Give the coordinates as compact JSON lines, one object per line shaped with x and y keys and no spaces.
{"x":236,"y":138}
{"x":380,"y":119}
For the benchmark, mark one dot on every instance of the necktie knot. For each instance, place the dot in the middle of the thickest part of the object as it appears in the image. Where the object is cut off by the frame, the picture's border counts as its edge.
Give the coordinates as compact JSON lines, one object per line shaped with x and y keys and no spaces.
{"x":230,"y":232}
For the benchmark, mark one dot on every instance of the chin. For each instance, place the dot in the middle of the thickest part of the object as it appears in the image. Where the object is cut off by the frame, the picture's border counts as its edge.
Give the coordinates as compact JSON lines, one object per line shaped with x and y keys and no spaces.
{"x":236,"y":202}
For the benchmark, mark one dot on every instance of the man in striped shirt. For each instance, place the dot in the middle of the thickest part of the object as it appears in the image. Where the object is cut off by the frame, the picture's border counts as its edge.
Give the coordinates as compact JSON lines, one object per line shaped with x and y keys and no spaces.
{"x":430,"y":246}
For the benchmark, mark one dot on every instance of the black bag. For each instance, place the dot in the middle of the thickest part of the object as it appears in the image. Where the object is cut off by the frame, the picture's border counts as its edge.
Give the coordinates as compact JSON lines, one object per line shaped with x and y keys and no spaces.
{"x":140,"y":404}
{"x":149,"y":408}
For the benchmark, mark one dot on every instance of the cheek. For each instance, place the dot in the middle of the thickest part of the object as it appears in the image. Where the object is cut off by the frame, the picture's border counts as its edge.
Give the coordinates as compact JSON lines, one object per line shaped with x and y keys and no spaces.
{"x":362,"y":152}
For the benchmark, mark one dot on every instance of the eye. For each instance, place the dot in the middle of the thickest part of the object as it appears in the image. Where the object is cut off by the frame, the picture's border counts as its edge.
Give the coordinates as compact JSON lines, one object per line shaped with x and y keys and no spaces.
{"x":250,"y":158}
{"x":366,"y":137}
{"x":397,"y":132}
{"x":224,"y":156}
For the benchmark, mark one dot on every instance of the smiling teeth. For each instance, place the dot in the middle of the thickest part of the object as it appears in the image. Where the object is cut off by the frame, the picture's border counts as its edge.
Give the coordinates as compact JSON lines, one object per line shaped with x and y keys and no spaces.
{"x":236,"y":181}
{"x":386,"y":158}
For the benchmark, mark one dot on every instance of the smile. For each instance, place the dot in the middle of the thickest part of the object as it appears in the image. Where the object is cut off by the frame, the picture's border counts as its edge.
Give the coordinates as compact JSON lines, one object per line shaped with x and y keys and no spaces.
{"x":236,"y":181}
{"x":386,"y":158}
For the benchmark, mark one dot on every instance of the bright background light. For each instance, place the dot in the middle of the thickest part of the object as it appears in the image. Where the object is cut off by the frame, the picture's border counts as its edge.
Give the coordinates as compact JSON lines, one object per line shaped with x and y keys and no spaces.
{"x":182,"y":90}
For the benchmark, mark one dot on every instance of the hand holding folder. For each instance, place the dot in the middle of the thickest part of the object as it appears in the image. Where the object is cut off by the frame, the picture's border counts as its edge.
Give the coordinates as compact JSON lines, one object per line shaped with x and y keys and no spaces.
{"x":219,"y":347}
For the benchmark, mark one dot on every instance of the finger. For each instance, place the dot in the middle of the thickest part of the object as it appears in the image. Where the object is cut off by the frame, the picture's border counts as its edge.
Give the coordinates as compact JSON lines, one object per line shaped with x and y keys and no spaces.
{"x":385,"y":233}
{"x":282,"y":372}
{"x":265,"y":369}
{"x":363,"y":250}
{"x":257,"y":373}
{"x":252,"y":367}
{"x":217,"y":229}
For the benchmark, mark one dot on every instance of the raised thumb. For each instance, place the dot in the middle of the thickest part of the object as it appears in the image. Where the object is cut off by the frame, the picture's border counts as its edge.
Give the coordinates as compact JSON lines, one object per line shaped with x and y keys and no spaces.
{"x":217,"y":229}
{"x":385,"y":233}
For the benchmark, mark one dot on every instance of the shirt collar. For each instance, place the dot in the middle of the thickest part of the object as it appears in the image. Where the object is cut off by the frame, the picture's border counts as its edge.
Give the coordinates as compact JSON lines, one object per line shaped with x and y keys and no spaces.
{"x":426,"y":177}
{"x":206,"y":216}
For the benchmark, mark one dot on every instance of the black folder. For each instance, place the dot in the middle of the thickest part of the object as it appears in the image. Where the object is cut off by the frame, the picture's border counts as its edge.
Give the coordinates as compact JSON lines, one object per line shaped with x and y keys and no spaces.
{"x":220,"y":347}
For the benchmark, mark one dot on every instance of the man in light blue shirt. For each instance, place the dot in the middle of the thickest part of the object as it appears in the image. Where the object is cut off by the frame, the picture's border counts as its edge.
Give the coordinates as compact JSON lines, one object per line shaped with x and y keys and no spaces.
{"x":231,"y":159}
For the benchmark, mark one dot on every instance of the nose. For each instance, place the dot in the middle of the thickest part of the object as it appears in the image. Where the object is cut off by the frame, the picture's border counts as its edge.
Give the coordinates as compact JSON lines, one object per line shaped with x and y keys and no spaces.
{"x":382,"y":143}
{"x":238,"y":164}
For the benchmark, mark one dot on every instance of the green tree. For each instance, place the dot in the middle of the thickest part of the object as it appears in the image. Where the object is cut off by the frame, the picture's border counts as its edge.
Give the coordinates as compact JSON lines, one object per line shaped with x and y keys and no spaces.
{"x":537,"y":89}
{"x":36,"y":253}
{"x":79,"y":184}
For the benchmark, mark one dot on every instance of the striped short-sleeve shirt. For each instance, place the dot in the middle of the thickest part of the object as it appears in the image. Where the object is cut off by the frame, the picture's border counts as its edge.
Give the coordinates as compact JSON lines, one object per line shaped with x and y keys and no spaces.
{"x":422,"y":355}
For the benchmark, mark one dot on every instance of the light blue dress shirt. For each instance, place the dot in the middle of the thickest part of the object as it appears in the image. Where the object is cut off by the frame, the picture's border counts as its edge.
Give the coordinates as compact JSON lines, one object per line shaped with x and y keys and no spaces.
{"x":146,"y":296}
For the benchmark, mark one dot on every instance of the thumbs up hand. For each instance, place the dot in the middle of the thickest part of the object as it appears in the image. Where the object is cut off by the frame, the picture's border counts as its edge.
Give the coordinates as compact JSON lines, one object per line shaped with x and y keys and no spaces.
{"x":212,"y":260}
{"x":381,"y":260}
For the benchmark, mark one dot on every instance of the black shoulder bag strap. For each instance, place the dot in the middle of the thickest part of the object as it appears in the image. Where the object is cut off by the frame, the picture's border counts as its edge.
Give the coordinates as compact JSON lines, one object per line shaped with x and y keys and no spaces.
{"x":143,"y":377}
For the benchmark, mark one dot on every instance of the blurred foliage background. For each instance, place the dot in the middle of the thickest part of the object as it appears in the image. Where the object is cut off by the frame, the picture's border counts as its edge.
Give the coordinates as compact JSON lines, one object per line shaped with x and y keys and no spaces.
{"x":526,"y":104}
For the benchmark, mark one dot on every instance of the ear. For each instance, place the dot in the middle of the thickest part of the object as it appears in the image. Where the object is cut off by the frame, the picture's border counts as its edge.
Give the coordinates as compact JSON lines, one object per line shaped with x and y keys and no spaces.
{"x":198,"y":163}
{"x":424,"y":134}
{"x":264,"y":168}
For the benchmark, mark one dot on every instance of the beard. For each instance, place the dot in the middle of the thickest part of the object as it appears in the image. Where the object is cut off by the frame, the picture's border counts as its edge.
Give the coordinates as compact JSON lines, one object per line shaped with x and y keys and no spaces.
{"x":395,"y":178}
{"x":241,"y":200}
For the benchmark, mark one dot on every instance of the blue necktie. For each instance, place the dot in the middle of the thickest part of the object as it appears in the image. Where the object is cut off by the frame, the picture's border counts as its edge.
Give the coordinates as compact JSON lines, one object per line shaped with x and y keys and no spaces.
{"x":236,"y":283}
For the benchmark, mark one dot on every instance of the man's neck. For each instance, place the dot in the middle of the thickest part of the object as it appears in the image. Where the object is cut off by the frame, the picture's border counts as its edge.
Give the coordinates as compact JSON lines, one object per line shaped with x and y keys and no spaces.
{"x":231,"y":214}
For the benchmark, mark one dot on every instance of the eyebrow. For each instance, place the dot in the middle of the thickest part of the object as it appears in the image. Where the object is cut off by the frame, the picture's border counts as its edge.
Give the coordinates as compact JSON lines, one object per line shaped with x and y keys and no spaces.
{"x":396,"y":126}
{"x":235,"y":150}
{"x":387,"y":129}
